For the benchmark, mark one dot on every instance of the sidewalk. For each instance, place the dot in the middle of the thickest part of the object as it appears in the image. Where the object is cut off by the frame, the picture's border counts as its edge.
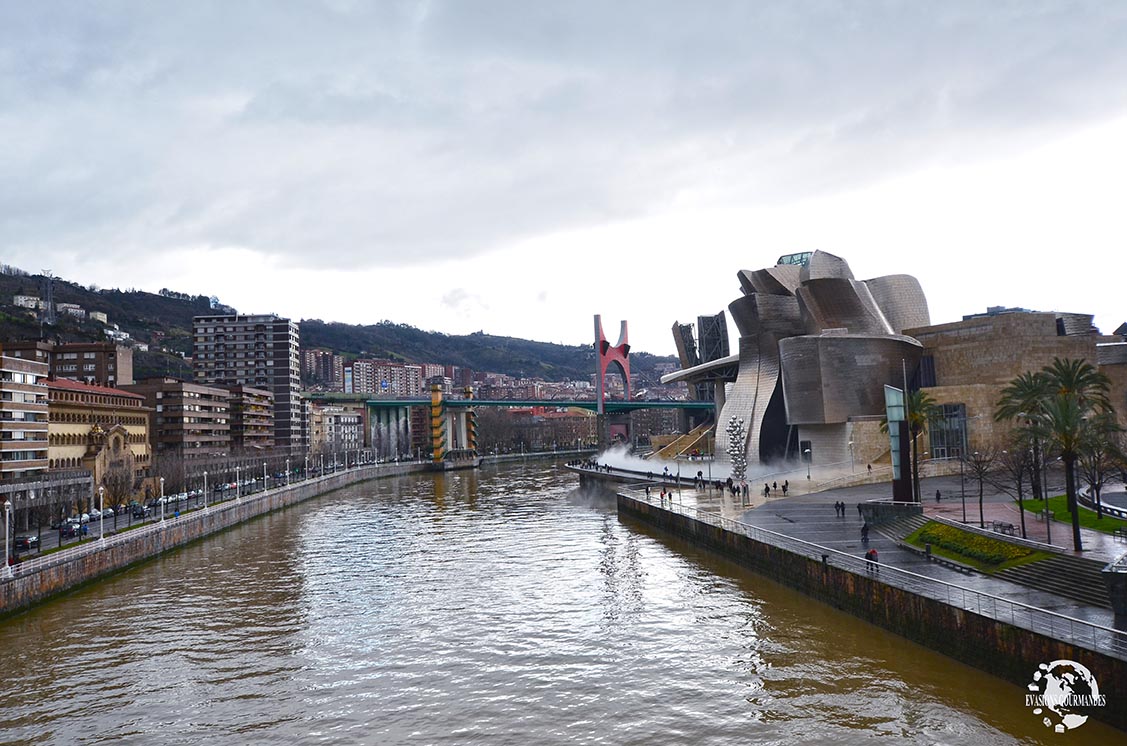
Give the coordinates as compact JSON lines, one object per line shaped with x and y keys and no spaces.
{"x":812,"y":518}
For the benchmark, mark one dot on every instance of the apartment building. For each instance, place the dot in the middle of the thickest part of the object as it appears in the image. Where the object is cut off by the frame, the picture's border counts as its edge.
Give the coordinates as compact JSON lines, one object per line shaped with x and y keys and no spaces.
{"x":97,"y":363}
{"x":23,"y":417}
{"x":260,"y":351}
{"x":187,"y":419}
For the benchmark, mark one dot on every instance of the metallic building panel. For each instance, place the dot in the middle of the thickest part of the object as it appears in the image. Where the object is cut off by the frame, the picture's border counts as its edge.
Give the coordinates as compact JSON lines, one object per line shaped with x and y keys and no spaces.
{"x":782,"y":279}
{"x":823,"y":265}
{"x":840,"y":304}
{"x":830,"y":378}
{"x":902,"y":301}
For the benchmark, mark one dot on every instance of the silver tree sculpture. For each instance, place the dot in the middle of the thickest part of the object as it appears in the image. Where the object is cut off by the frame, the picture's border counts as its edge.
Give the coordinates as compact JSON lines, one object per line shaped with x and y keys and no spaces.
{"x":736,"y":448}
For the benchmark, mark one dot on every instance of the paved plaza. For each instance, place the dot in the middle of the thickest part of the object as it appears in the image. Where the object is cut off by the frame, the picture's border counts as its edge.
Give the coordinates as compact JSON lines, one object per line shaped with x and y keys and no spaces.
{"x":810,"y":516}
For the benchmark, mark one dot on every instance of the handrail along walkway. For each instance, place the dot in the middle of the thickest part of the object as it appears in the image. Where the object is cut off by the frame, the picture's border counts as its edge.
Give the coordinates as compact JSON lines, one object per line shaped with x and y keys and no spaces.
{"x":1087,"y":634}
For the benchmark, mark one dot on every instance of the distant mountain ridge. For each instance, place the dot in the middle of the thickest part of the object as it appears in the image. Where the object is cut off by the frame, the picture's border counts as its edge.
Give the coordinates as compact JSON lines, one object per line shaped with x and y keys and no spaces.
{"x":165,"y":319}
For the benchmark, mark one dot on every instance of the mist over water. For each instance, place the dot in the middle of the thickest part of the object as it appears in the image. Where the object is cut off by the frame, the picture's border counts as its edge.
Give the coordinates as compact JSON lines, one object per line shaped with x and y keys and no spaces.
{"x":502,"y":606}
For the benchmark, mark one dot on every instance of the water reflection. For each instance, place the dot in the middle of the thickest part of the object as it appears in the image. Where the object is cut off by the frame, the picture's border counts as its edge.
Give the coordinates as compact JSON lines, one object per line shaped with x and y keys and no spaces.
{"x":498,"y":607}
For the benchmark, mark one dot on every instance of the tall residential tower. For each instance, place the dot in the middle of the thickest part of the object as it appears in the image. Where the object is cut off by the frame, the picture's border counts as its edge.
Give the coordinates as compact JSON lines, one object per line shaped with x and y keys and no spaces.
{"x":258,"y":351}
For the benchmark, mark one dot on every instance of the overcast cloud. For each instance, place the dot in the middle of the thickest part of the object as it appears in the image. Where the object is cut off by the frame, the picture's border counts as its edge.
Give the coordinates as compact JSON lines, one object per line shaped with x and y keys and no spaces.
{"x":506,"y":148}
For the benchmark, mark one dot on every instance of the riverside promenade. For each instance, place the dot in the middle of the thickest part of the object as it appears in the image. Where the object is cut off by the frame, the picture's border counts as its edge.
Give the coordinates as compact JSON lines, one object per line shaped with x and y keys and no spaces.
{"x":993,"y":624}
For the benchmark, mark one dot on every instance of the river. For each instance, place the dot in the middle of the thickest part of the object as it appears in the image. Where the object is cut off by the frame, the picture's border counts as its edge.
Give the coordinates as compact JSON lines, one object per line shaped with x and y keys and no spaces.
{"x":497,"y":607}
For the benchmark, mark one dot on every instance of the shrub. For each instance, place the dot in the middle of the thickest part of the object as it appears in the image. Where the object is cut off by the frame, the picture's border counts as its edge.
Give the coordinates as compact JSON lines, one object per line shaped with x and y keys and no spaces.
{"x":982,"y":548}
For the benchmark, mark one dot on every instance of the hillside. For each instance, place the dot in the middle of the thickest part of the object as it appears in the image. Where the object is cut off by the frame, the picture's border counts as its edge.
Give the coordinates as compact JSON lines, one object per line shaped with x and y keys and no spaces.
{"x":165,"y":320}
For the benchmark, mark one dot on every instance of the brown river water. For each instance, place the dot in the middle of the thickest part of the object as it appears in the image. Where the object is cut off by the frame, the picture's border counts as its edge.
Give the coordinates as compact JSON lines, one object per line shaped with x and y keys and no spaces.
{"x":496,"y":607}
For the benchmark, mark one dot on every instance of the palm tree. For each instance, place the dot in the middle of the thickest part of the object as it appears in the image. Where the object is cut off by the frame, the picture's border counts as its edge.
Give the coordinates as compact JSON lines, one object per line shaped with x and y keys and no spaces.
{"x":922,"y":410}
{"x":1078,"y":394}
{"x":1021,"y":402}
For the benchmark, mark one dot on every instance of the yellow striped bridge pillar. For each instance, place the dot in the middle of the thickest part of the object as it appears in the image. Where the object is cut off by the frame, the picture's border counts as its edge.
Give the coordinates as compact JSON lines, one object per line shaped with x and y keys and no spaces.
{"x":471,"y":423}
{"x":437,"y":423}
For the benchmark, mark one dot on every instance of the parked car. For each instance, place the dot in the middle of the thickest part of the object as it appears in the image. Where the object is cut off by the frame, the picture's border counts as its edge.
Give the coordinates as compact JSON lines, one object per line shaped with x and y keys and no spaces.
{"x":140,"y":511}
{"x":27,"y":542}
{"x":108,"y":512}
{"x":70,"y":530}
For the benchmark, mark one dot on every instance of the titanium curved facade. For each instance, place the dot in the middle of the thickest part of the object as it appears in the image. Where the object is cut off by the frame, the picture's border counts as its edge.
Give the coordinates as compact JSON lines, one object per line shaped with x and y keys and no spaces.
{"x":816,"y":348}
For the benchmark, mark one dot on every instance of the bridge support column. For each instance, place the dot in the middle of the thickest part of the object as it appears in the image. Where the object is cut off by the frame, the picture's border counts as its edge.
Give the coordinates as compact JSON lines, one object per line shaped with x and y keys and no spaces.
{"x":614,"y":429}
{"x":437,"y":424}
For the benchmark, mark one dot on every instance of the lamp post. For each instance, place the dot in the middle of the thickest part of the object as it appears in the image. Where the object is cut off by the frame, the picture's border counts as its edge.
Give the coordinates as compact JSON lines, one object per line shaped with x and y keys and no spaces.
{"x":7,"y":551}
{"x":263,"y":476}
{"x":102,"y":514}
{"x":852,"y":463}
{"x":162,"y":499}
{"x":321,"y":473}
{"x":807,"y":454}
{"x":962,"y":484}
{"x":305,"y":474}
{"x":205,"y":490}
{"x":237,"y":484}
{"x":287,"y":472}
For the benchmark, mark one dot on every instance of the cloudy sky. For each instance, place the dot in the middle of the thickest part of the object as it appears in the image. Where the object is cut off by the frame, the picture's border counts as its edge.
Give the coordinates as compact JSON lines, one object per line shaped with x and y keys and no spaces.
{"x":517,"y":167}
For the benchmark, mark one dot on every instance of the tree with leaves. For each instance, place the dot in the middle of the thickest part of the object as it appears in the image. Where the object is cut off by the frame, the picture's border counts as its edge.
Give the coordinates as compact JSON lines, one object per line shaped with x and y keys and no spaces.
{"x":1077,"y":394}
{"x":1021,"y":404}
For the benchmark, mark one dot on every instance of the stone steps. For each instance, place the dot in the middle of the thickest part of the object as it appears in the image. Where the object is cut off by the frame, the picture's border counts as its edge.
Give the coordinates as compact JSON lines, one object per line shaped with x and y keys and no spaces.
{"x":1071,"y":577}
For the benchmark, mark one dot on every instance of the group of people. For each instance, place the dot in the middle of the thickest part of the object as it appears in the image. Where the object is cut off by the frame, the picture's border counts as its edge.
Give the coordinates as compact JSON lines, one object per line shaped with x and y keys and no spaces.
{"x":839,"y":508}
{"x":872,"y":560}
{"x":590,"y":463}
{"x":774,"y":487}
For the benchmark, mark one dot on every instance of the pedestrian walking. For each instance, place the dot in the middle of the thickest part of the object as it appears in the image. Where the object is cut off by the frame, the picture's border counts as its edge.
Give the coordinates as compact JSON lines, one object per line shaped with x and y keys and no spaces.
{"x":869,"y":560}
{"x":859,"y":510}
{"x":937,"y":496}
{"x":786,"y":486}
{"x":876,"y":559}
{"x":865,"y":533}
{"x":774,"y":485}
{"x":870,"y":468}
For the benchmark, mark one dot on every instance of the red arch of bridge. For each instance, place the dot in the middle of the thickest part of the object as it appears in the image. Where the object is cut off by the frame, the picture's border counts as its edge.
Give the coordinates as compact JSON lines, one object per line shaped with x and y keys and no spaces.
{"x":606,"y":356}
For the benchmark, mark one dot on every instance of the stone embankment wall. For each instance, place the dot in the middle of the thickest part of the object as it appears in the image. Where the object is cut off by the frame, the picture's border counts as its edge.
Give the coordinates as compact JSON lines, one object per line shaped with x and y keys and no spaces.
{"x":999,"y":648}
{"x":32,"y":586}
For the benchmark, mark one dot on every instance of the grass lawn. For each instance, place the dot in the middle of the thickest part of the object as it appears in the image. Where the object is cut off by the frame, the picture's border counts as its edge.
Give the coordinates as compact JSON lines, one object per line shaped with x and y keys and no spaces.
{"x":1059,"y":506}
{"x":984,"y":553}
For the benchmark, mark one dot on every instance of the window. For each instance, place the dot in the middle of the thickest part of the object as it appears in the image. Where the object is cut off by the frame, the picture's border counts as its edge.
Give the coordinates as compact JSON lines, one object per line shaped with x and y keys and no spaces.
{"x":948,"y":433}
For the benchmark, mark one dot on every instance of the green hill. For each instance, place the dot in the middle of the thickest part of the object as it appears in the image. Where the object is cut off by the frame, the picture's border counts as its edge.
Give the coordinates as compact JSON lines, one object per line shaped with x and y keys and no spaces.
{"x":165,"y":320}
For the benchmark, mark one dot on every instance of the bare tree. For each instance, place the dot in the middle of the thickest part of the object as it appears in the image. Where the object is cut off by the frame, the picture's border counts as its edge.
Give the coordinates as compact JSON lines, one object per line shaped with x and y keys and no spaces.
{"x":119,"y":482}
{"x":1015,"y":471}
{"x":1100,"y":456}
{"x":980,"y":464}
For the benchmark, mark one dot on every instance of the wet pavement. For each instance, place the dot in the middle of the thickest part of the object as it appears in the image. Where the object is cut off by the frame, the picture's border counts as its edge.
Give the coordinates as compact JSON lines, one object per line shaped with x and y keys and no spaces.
{"x":811,"y":517}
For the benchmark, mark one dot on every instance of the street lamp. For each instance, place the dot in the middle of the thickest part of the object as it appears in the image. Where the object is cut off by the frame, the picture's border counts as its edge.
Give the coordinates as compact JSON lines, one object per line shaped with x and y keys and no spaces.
{"x":807,"y":454}
{"x":962,"y":484}
{"x":162,"y":499}
{"x":287,"y":472}
{"x":7,"y":551}
{"x":852,"y":464}
{"x":263,"y":476}
{"x":237,"y":484}
{"x":205,"y":491}
{"x":102,"y":514}
{"x":305,"y":474}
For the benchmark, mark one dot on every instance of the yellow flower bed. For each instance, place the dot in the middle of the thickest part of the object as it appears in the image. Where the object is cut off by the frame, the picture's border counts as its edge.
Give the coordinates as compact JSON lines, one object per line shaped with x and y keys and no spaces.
{"x":982,"y":548}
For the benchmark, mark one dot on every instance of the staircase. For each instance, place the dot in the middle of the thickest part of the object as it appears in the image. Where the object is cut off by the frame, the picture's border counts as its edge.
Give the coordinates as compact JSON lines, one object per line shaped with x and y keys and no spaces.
{"x":900,"y":528}
{"x":1071,"y":577}
{"x":685,"y":442}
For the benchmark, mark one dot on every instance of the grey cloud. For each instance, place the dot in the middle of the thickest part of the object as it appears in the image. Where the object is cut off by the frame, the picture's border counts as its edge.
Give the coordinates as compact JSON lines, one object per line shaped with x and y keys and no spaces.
{"x":394,"y":133}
